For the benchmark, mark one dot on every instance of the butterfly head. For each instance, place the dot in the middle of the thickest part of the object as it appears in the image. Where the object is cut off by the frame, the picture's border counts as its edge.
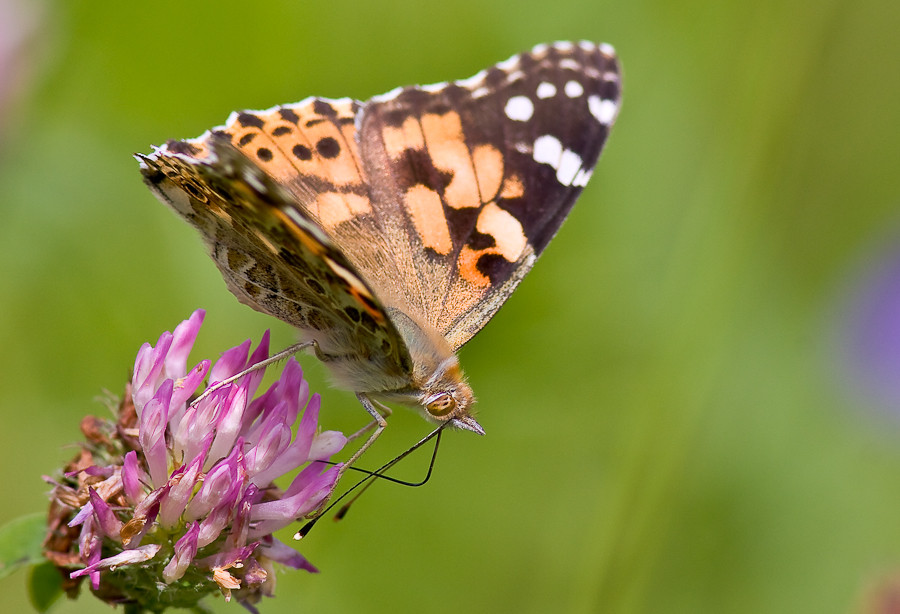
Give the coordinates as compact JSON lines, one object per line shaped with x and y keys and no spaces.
{"x":446,"y":397}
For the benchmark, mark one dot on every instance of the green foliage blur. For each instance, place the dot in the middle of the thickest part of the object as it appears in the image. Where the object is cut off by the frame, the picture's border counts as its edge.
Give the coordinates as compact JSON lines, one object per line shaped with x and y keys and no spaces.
{"x":669,"y":427}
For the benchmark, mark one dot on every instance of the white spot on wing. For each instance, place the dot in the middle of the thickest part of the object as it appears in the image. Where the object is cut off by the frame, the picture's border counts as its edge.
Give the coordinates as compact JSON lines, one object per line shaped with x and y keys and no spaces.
{"x":587,"y":45}
{"x":566,"y":163}
{"x":481,"y":92}
{"x":574,"y":89}
{"x":519,"y":108}
{"x":610,"y":77}
{"x":569,"y":165}
{"x":546,"y":90}
{"x":547,"y":150}
{"x":515,"y":76}
{"x":581,"y":178}
{"x":564,"y":45}
{"x":569,"y":63}
{"x":607,"y":49}
{"x":603,"y":110}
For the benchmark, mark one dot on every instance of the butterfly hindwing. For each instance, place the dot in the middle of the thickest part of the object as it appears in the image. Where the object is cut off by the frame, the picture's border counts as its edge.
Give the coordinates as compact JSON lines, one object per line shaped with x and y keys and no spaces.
{"x":273,"y":257}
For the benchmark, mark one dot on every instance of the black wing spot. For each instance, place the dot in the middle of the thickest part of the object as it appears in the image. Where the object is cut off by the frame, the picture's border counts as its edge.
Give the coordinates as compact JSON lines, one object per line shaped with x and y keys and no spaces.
{"x":323,"y":108}
{"x":478,"y":241}
{"x":299,"y":312}
{"x":328,"y":147}
{"x":368,"y":322}
{"x":353,"y":313}
{"x":249,"y":119}
{"x":493,"y":266}
{"x":416,"y":167}
{"x":302,"y":152}
{"x":288,"y":115}
{"x":180,"y":147}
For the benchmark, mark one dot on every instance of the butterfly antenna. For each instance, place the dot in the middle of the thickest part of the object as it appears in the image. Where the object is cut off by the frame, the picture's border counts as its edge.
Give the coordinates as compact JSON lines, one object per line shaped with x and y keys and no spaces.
{"x":378,"y":473}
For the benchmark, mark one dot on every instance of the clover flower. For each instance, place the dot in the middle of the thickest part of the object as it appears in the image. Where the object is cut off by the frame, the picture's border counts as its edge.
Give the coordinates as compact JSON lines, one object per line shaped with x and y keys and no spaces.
{"x":176,"y":499}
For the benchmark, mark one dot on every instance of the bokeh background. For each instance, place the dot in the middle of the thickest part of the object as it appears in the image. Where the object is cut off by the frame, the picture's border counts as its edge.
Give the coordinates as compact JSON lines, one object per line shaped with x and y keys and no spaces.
{"x":691,"y":404}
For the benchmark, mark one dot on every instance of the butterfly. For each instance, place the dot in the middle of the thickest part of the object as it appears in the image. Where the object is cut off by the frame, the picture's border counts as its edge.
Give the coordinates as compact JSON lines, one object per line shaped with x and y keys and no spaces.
{"x":388,"y":232}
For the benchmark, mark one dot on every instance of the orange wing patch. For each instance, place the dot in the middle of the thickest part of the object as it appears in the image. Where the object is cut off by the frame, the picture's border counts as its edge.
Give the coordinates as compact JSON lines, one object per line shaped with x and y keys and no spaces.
{"x":510,"y":243}
{"x":427,"y":213}
{"x":447,"y":148}
{"x":488,"y":163}
{"x":335,"y":207}
{"x":506,"y":230}
{"x":407,"y":136}
{"x":313,"y":141}
{"x":512,"y":188}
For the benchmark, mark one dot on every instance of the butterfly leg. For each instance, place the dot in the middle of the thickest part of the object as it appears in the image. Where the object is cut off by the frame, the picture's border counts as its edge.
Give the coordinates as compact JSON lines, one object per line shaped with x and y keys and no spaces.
{"x":379,"y":423}
{"x":285,"y":353}
{"x":381,"y":409}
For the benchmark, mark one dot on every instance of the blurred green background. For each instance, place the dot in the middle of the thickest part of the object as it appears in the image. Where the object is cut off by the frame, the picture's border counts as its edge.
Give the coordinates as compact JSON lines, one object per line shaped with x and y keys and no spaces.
{"x":669,"y":422}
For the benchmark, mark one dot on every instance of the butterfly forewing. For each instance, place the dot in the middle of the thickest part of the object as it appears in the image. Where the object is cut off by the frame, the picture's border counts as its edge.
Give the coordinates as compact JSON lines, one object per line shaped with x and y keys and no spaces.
{"x":485,"y":170}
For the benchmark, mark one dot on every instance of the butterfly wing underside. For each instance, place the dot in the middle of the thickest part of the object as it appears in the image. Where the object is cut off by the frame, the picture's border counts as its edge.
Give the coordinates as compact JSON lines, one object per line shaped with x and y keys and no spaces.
{"x":273,"y":256}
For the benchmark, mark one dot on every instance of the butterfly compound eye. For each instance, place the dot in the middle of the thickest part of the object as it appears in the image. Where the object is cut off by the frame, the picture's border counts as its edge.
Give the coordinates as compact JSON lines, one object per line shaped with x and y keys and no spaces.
{"x":440,"y":404}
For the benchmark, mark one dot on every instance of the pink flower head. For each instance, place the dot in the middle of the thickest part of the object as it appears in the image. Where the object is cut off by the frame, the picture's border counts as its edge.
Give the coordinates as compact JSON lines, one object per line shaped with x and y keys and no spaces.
{"x":191,"y":497}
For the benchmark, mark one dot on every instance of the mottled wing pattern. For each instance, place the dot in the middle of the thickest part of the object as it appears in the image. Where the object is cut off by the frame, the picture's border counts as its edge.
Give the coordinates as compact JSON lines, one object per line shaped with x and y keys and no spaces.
{"x":471,"y":179}
{"x":273,"y":256}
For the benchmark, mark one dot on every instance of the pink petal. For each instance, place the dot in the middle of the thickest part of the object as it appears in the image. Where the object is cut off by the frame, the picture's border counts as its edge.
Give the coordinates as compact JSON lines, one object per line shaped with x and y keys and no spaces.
{"x":126,"y":557}
{"x":185,"y":551}
{"x":230,"y":363}
{"x":183,"y":338}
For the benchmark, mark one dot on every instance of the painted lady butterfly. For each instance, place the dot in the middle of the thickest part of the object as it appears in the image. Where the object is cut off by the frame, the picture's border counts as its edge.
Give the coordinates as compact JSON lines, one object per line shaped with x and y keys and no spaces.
{"x":390,"y":231}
